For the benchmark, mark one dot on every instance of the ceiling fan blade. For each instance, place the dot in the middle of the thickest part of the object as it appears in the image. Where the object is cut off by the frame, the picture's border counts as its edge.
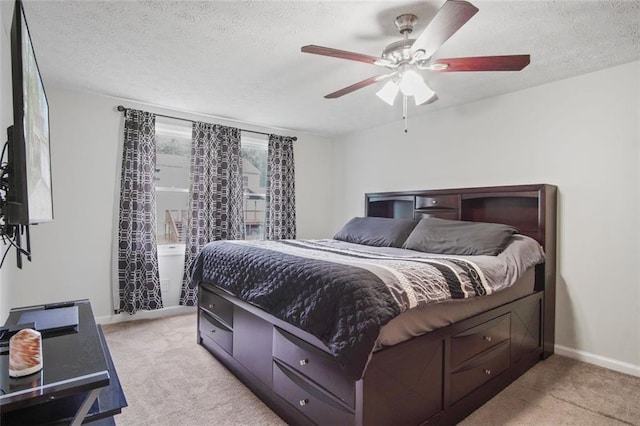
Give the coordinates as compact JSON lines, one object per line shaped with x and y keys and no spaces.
{"x":449,"y":19}
{"x":343,"y":54}
{"x":359,"y":85}
{"x":481,"y":63}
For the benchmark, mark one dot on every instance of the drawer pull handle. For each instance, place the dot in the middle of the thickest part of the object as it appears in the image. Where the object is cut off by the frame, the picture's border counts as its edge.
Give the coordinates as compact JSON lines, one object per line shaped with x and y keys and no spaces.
{"x":487,"y":338}
{"x":212,"y":305}
{"x":434,"y":201}
{"x":304,"y":362}
{"x":487,"y":372}
{"x":303,"y":402}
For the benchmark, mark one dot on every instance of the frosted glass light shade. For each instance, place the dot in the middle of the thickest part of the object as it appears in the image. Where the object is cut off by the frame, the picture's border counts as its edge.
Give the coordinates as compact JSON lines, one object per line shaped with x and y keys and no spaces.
{"x":388,"y":92}
{"x":423,"y":94}
{"x":410,"y":82}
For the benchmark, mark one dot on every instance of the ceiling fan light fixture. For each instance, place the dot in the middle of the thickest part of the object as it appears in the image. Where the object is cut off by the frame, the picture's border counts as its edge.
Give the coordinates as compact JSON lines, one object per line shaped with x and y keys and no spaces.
{"x":388,"y":92}
{"x":410,"y":82}
{"x":407,"y":58}
{"x":423,"y":93}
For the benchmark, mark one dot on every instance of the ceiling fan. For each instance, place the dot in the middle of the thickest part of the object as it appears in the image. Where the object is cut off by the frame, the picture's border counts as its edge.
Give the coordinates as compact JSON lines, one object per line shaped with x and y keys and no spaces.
{"x":406,"y":58}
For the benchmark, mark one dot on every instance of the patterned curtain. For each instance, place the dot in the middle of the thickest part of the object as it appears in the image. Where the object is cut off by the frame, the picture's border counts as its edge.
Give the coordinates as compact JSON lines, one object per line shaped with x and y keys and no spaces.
{"x":138,"y":278}
{"x":281,"y":190}
{"x":217,"y":195}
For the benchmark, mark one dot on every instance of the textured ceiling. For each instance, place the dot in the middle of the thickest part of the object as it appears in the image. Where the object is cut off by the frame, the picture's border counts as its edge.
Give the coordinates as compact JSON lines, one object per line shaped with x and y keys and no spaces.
{"x":241,"y":59}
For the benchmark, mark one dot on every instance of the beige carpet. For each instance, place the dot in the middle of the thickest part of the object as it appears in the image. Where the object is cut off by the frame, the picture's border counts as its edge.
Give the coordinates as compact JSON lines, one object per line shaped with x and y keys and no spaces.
{"x":170,"y":380}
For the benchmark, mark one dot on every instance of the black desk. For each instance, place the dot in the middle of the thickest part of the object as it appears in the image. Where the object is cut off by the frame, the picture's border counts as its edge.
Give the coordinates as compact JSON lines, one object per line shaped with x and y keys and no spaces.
{"x":77,"y":384}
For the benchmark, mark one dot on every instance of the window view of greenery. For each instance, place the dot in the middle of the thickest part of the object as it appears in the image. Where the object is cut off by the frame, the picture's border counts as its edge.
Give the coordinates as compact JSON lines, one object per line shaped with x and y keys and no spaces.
{"x":173,"y":157}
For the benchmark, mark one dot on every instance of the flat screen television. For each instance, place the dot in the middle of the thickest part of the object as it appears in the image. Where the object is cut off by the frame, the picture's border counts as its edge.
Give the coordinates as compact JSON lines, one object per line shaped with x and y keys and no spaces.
{"x":26,"y":176}
{"x":29,"y":194}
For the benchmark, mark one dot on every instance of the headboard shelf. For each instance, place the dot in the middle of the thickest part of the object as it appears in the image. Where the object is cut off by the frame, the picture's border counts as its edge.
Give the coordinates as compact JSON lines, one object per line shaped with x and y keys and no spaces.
{"x":398,"y":207}
{"x":520,"y":212}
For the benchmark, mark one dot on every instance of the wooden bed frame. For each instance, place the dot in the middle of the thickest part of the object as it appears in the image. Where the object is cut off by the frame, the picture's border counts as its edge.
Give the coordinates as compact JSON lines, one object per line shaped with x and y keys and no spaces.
{"x":437,"y":378}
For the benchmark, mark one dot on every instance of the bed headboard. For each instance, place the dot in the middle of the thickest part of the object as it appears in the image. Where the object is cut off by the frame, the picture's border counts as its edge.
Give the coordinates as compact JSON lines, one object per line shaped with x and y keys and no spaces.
{"x":530,"y":208}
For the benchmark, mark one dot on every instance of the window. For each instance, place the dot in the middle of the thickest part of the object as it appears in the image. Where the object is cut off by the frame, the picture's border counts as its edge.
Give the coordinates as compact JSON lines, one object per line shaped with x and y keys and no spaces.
{"x":254,"y":169}
{"x":173,"y":163}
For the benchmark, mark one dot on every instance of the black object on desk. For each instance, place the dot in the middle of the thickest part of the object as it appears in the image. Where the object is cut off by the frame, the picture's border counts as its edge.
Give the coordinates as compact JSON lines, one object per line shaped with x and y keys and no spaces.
{"x":78,"y":382}
{"x":49,"y":319}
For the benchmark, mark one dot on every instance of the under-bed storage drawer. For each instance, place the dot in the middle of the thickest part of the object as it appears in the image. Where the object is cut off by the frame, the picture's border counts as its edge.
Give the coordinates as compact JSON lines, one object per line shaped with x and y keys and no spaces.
{"x":318,"y":366}
{"x":216,"y":305}
{"x":217,"y":331}
{"x":475,"y":340}
{"x":478,"y":371}
{"x":308,"y":398}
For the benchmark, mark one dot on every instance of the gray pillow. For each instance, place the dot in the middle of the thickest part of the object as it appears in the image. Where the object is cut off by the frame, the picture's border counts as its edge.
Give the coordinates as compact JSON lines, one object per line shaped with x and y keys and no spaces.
{"x":376,"y":231}
{"x":442,"y":236}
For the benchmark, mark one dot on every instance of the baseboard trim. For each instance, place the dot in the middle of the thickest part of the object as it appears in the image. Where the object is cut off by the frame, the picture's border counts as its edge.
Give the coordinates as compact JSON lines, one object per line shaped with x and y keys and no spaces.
{"x":159,"y":313}
{"x":601,"y":361}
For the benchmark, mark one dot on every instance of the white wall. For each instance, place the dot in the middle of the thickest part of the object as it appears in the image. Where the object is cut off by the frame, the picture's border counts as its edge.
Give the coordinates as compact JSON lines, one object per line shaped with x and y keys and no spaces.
{"x":72,"y":255}
{"x":581,"y":134}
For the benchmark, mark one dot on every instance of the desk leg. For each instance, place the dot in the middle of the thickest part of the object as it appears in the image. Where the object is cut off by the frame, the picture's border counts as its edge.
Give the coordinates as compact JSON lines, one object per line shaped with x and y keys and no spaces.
{"x":86,"y":405}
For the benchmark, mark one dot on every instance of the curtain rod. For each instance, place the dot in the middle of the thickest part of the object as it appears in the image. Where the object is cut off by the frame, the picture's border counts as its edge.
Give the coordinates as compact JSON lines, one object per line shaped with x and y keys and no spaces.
{"x":123,"y":109}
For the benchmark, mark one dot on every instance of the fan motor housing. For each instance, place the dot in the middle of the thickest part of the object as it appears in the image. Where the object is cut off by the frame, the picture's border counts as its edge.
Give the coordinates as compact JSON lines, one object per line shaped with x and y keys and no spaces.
{"x":399,"y":50}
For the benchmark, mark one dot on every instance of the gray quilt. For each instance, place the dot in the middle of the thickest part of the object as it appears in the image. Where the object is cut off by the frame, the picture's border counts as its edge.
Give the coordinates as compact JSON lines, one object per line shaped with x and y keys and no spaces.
{"x":340,"y":293}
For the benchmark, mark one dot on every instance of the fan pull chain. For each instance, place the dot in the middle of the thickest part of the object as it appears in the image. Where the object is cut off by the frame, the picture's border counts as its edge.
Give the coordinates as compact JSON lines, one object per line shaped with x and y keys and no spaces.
{"x":404,"y":112}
